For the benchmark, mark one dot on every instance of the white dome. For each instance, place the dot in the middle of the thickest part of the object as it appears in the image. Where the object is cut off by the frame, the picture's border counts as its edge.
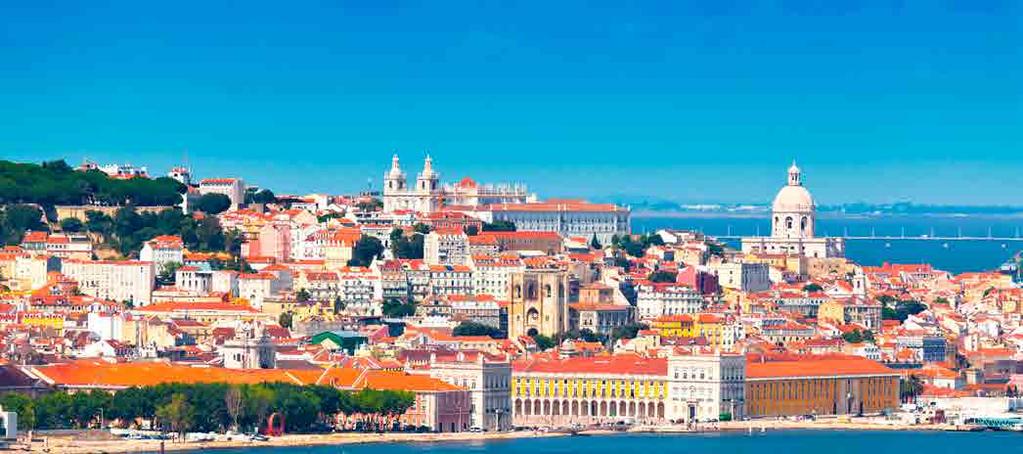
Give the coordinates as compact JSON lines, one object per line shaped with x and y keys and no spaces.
{"x":793,"y":199}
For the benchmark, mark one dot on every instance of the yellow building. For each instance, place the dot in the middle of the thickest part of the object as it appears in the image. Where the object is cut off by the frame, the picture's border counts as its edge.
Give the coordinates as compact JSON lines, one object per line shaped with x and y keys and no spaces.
{"x":710,"y":327}
{"x":846,"y":385}
{"x":55,"y":322}
{"x":831,"y":311}
{"x":674,"y":326}
{"x":589,"y":390}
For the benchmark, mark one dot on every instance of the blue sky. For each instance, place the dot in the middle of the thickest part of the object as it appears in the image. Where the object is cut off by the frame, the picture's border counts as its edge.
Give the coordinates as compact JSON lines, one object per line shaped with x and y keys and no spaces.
{"x":700,"y":101}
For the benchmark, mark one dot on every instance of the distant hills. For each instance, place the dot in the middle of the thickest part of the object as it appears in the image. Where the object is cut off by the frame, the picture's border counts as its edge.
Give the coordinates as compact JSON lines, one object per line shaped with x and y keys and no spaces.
{"x":655,"y":205}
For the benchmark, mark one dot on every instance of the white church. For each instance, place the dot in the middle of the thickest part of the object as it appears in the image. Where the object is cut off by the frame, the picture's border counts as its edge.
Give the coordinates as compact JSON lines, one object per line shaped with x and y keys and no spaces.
{"x":428,"y":195}
{"x":425,"y":197}
{"x":793,"y":215}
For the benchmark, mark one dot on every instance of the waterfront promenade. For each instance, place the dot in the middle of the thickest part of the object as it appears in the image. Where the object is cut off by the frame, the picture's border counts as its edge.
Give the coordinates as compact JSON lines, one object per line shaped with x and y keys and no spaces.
{"x":79,"y":445}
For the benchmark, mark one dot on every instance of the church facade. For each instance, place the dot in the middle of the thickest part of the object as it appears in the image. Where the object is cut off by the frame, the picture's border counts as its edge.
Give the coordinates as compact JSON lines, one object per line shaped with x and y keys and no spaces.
{"x":793,"y":219}
{"x":428,"y":195}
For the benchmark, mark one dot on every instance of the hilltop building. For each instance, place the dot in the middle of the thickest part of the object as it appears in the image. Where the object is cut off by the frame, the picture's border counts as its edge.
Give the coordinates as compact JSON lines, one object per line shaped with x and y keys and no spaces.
{"x":793,"y":218}
{"x":428,"y":195}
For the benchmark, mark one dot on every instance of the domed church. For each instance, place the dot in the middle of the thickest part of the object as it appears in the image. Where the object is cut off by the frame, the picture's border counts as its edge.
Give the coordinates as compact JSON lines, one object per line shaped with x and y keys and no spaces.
{"x":793,"y":215}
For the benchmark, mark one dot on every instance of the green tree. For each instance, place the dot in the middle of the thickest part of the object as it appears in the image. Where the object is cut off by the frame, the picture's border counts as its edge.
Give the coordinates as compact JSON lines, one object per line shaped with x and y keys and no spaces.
{"x":661,"y":276}
{"x":168,"y":274}
{"x":812,"y":288}
{"x":499,"y":226}
{"x":472,"y":230}
{"x":176,"y":415}
{"x":393,"y":308}
{"x":628,"y":331}
{"x":303,"y":296}
{"x":23,"y":406}
{"x":365,"y":251}
{"x":285,"y":319}
{"x":594,"y":244}
{"x":71,"y":225}
{"x":261,"y":196}
{"x":910,"y":388}
{"x":213,"y":203}
{"x":476,"y":329}
{"x":543,"y":343}
{"x":853,"y":337}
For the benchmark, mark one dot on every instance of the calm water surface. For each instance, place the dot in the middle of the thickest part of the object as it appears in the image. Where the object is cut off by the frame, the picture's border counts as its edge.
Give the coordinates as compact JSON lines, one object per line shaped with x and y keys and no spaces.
{"x":952,"y":256}
{"x":789,"y":442}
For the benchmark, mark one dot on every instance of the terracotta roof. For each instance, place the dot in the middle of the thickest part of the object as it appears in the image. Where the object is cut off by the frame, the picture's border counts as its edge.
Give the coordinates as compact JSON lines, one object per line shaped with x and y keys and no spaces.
{"x":827,"y":366}
{"x":618,"y":364}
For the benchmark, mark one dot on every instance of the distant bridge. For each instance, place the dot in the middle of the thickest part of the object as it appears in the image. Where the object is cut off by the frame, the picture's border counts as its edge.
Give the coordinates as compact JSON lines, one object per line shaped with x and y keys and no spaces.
{"x":897,"y":237}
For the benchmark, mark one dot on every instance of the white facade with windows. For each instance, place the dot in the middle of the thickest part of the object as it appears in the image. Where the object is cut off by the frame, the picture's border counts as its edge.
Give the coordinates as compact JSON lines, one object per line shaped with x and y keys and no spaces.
{"x":113,"y":280}
{"x":488,"y":381}
{"x":706,"y":387}
{"x":656,"y":299}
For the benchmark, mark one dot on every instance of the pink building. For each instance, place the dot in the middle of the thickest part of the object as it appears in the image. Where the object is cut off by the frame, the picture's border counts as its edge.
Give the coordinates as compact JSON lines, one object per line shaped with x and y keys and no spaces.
{"x":274,"y":240}
{"x":702,"y":281}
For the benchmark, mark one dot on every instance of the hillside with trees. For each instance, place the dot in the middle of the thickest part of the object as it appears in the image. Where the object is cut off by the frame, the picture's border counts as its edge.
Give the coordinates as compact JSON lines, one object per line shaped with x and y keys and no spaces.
{"x":56,"y":183}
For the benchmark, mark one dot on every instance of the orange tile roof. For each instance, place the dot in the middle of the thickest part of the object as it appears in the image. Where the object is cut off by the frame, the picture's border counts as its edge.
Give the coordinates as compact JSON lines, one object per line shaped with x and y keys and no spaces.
{"x":826,"y":366}
{"x":610,"y":365}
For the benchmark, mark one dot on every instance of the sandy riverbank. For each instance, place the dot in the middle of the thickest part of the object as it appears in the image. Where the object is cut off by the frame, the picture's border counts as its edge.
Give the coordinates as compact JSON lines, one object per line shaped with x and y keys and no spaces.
{"x":72,"y":445}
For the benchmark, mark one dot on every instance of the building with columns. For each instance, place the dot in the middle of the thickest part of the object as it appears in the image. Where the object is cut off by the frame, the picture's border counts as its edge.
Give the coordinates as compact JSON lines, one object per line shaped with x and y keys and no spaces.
{"x":683,"y":388}
{"x":793,"y":218}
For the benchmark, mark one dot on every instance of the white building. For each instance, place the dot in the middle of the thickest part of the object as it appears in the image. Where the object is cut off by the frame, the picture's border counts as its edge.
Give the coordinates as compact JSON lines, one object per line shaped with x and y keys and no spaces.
{"x":656,"y":299}
{"x":570,"y":218}
{"x":491,"y":274}
{"x":703,"y":387}
{"x":745,"y":277}
{"x":446,"y":247}
{"x":113,"y":280}
{"x":250,"y":348}
{"x":233,"y":188}
{"x":793,"y":218}
{"x":425,"y":197}
{"x":488,"y":381}
{"x":162,"y":251}
{"x":450,"y":280}
{"x":192,"y":279}
{"x":361,"y":289}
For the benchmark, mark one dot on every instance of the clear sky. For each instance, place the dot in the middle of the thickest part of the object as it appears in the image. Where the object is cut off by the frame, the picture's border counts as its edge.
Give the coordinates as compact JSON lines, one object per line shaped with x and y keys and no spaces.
{"x":692,"y":101}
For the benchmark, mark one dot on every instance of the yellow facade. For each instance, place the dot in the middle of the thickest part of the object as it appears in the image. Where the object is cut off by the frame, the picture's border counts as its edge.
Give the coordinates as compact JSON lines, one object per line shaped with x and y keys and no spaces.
{"x":821,"y":396}
{"x":44,"y":321}
{"x":832,"y":311}
{"x":674,"y":326}
{"x":710,"y":328}
{"x":544,"y":399}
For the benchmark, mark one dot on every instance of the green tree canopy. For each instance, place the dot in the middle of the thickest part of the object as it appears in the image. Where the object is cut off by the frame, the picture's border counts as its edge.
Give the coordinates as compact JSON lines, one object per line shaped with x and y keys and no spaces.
{"x":477,"y":329}
{"x":365,"y":251}
{"x":499,"y":226}
{"x":71,"y":225}
{"x":662,"y":276}
{"x":213,"y":203}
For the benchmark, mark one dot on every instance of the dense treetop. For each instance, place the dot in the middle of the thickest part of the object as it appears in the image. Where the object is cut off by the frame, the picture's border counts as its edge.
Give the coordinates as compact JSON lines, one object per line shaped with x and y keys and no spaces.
{"x":56,"y":183}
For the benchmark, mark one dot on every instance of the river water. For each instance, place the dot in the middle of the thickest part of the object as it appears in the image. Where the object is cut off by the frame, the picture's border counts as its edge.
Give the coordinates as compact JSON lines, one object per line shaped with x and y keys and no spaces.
{"x":780,"y":441}
{"x":954,"y":256}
